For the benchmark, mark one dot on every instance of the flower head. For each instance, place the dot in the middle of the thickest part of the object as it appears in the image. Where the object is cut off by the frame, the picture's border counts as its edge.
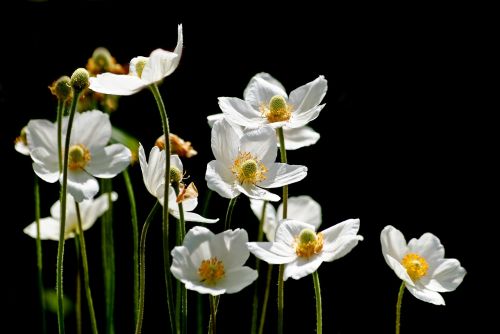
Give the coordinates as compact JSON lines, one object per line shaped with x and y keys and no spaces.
{"x":90,"y":210}
{"x":213,"y":263}
{"x":421,"y":265}
{"x":178,"y":146}
{"x":302,"y":249}
{"x":266,"y":102}
{"x":88,"y":154}
{"x":302,"y":208}
{"x":247,"y":164}
{"x":144,"y":71}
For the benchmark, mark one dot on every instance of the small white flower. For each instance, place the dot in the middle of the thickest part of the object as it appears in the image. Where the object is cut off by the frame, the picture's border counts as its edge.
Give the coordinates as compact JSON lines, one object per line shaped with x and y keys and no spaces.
{"x":302,"y":208}
{"x":213,"y":263}
{"x":88,"y":154}
{"x":266,"y":102}
{"x":302,"y":250}
{"x":294,"y":138}
{"x":421,"y":264}
{"x":153,"y":173}
{"x":144,"y":71}
{"x":244,"y":165}
{"x":90,"y":210}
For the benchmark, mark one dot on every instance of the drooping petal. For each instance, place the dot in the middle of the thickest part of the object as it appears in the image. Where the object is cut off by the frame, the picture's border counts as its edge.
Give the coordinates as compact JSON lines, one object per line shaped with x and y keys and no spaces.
{"x":224,"y":142}
{"x":257,"y":193}
{"x":49,"y":229}
{"x":302,"y":267}
{"x":299,"y":137}
{"x":272,"y":252}
{"x":261,"y":142}
{"x":90,"y":128}
{"x":340,"y":239}
{"x":109,"y":161}
{"x":308,"y":96}
{"x":238,"y":278}
{"x":299,"y":120}
{"x":393,"y":244}
{"x":116,"y":84}
{"x":161,"y":63}
{"x":447,"y":276}
{"x":250,"y":93}
{"x":289,"y":229}
{"x":81,"y":185}
{"x":211,"y":119}
{"x":91,"y":210}
{"x":280,"y":174}
{"x":194,"y":217}
{"x":426,"y":295}
{"x":428,"y":246}
{"x":303,"y":208}
{"x":220,"y":180}
{"x":270,"y":221}
{"x":45,"y":164}
{"x":240,"y":112}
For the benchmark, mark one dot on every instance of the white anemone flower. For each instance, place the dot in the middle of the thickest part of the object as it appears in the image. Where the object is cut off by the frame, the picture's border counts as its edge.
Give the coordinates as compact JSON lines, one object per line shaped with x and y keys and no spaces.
{"x":294,"y":138}
{"x":421,"y":264}
{"x":90,"y":210}
{"x":153,"y":173}
{"x":89,"y":156}
{"x":302,"y":250}
{"x":213,"y":263}
{"x":302,"y":208}
{"x":244,"y":165}
{"x":144,"y":71}
{"x":266,"y":102}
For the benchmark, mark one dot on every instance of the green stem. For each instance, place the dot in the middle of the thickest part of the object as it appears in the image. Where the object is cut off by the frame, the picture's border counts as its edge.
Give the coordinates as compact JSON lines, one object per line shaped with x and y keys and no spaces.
{"x":142,"y":280}
{"x":199,"y":299}
{"x":255,"y":303}
{"x":108,"y":257}
{"x":266,"y":298}
{"x":283,"y":160}
{"x":86,"y":279}
{"x":206,"y":201}
{"x":181,"y":289}
{"x":317,"y":291}
{"x":135,"y":237}
{"x":213,"y":314}
{"x":165,"y":225}
{"x":229,"y":213}
{"x":60,"y":246}
{"x":78,"y":298}
{"x":39,"y":262}
{"x":60,"y":107}
{"x":398,"y":306}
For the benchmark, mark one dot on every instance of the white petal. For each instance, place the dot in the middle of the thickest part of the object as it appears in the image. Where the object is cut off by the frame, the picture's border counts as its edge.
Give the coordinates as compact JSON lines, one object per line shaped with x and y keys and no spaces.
{"x":340,"y":239}
{"x":93,"y":209}
{"x":190,"y":204}
{"x":230,"y":247}
{"x":240,"y":112}
{"x":22,"y":148}
{"x":194,"y":217}
{"x":261,"y":142}
{"x":195,"y":236}
{"x":175,"y":161}
{"x":302,"y":267}
{"x":302,"y":119}
{"x":110,"y":161}
{"x":161,"y":63}
{"x":348,"y":227}
{"x":299,"y":137}
{"x":220,"y":180}
{"x":153,"y":171}
{"x":90,"y":128}
{"x":270,"y":220}
{"x":399,"y":270}
{"x":393,"y":244}
{"x":211,"y":119}
{"x":303,"y":208}
{"x":289,"y":229}
{"x":45,"y":165}
{"x":309,"y":95}
{"x":261,"y":88}
{"x":224,"y":142}
{"x":426,"y":295}
{"x":447,"y":276}
{"x":116,"y":84}
{"x":428,"y":246}
{"x":272,"y":252}
{"x":257,"y":193}
{"x":41,"y":133}
{"x":182,"y":266}
{"x":237,"y":279}
{"x":49,"y":229}
{"x":280,"y":174}
{"x":81,"y":185}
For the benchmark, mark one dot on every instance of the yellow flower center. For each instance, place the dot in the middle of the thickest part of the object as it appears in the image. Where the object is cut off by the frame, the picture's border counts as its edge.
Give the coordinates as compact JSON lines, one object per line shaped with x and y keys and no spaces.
{"x":79,"y":156}
{"x":175,"y":175}
{"x":415,"y":266}
{"x":248,"y":169}
{"x":278,"y":109}
{"x":211,"y":271}
{"x":139,"y":66}
{"x":308,"y":243}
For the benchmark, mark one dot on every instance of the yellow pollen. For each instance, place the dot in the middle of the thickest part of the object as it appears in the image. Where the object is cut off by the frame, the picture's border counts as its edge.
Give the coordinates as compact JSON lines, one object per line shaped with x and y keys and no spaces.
{"x":211,"y":271}
{"x":308,"y":243}
{"x":79,"y":156}
{"x":248,"y":169}
{"x":415,"y":266}
{"x":278,"y":109}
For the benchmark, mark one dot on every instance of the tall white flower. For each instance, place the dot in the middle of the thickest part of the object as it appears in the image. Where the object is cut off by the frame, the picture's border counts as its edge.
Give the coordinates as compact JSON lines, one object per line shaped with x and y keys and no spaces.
{"x":294,"y":138}
{"x":143,"y":72}
{"x":88,"y":154}
{"x":421,"y":264}
{"x":213,"y":263}
{"x":302,"y":250}
{"x":153,"y":173}
{"x":90,"y":210}
{"x":244,"y":165}
{"x":266,"y":102}
{"x":302,"y":208}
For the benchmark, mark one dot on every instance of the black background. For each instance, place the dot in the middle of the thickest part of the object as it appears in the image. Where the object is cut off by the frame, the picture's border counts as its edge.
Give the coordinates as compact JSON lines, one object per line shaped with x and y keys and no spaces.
{"x":404,"y":141}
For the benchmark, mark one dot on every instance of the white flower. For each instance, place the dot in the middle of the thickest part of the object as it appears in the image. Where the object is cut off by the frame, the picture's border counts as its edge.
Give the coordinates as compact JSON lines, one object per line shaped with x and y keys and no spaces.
{"x":302,"y":250}
{"x":266,"y":102}
{"x":144,"y":71}
{"x":294,"y":138}
{"x":421,"y":264}
{"x":245,"y":164}
{"x":213,"y":263}
{"x":88,"y":154}
{"x":90,"y":210}
{"x":302,"y":208}
{"x":153,"y":173}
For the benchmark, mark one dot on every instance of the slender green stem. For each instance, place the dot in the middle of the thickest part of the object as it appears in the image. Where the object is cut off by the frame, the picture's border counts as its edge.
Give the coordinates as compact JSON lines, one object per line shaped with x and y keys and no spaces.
{"x":283,"y":160}
{"x":206,"y":202}
{"x":165,"y":225}
{"x":142,"y":280}
{"x":213,"y":314}
{"x":199,"y":299}
{"x":135,"y":237}
{"x":317,"y":291}
{"x":398,"y":306}
{"x":60,"y":108}
{"x":60,"y":247}
{"x":266,"y":298}
{"x":281,"y":298}
{"x":78,"y":298}
{"x":255,"y":303}
{"x":181,"y":314}
{"x":108,"y":257}
{"x":229,"y":213}
{"x":39,"y":262}
{"x":86,"y":277}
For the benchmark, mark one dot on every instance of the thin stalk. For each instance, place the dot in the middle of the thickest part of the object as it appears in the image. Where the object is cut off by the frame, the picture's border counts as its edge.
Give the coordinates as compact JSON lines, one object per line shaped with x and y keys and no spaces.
{"x":266,"y":298}
{"x":255,"y":303}
{"x":39,"y":262}
{"x":213,"y":314}
{"x":283,"y":160}
{"x":199,"y":299}
{"x":181,"y":289}
{"x":78,"y":298}
{"x":108,"y":258}
{"x":229,"y":213}
{"x":317,"y":291}
{"x":60,"y":111}
{"x":398,"y":306}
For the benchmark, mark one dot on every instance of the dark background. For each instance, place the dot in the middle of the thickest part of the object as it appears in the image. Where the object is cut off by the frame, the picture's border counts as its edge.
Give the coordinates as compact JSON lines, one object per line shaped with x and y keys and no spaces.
{"x":404,"y":141}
